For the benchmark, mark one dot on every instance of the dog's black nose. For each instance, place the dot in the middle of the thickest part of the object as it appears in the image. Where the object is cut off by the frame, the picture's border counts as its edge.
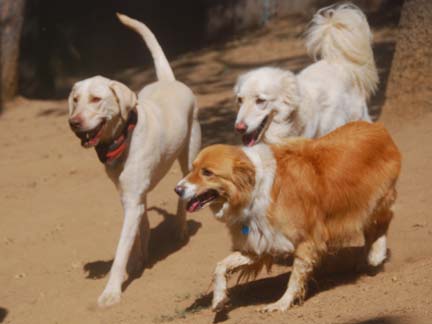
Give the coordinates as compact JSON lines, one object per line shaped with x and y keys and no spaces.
{"x":75,"y":123}
{"x":180,"y":190}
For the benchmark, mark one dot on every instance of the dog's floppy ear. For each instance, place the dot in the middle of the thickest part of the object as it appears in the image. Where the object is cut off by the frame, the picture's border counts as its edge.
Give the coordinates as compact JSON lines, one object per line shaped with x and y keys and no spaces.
{"x":291,"y":90}
{"x":125,"y":98}
{"x":243,"y":175}
{"x":71,"y":102}
{"x":72,"y":98}
{"x":239,"y":83}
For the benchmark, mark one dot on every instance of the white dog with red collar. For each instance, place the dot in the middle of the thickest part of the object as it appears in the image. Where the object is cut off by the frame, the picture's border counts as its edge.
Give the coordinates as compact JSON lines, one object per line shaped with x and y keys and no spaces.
{"x":137,"y":139}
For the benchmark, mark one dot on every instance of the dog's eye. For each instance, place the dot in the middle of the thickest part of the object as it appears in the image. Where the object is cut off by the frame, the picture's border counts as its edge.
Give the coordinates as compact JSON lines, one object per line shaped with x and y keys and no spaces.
{"x":95,"y":99}
{"x":206,"y":172}
{"x":239,"y":100}
{"x":75,"y":99}
{"x":259,"y":101}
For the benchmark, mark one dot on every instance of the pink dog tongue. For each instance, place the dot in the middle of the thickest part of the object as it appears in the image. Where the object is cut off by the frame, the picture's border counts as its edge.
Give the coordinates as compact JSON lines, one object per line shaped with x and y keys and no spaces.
{"x":195,"y":205}
{"x":94,"y":141}
{"x":249,"y":139}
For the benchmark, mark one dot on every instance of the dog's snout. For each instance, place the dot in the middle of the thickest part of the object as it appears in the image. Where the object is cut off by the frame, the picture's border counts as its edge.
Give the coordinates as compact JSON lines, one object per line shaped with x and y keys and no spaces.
{"x":75,"y":122}
{"x":241,"y":127}
{"x":180,"y":190}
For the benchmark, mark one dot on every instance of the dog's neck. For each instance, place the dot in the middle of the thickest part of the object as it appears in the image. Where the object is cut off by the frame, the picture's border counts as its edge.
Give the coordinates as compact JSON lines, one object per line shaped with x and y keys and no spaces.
{"x":113,"y":129}
{"x":258,"y":201}
{"x":249,"y":227}
{"x":237,"y":210}
{"x":264,"y":163}
{"x":279,"y":130}
{"x":112,"y":152}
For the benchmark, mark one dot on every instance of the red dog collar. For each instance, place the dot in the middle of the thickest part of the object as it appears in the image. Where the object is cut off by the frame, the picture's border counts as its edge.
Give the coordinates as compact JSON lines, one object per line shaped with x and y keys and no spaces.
{"x":110,"y":153}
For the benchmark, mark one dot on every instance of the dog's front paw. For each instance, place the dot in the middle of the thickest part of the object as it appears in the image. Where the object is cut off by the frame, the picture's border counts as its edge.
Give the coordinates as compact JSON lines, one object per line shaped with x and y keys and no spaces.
{"x":279,"y":306}
{"x":219,"y":302}
{"x":109,"y":297}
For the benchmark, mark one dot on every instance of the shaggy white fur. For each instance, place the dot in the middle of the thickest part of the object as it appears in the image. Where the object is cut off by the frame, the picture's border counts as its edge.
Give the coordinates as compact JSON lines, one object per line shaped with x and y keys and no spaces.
{"x":262,"y":237}
{"x":274,"y":103}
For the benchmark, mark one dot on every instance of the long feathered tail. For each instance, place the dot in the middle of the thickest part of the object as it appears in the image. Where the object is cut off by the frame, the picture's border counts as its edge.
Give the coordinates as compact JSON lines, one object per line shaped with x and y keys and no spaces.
{"x":162,"y":66}
{"x":340,"y":34}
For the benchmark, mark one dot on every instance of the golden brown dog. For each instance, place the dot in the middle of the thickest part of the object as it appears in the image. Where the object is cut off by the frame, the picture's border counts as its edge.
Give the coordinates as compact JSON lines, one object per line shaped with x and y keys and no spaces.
{"x":303,"y":198}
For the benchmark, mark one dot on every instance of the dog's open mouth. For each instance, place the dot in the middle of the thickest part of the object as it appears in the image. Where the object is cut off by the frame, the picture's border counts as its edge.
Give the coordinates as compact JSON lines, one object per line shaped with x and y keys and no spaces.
{"x":92,"y":137}
{"x":199,"y":201}
{"x":250,"y":139}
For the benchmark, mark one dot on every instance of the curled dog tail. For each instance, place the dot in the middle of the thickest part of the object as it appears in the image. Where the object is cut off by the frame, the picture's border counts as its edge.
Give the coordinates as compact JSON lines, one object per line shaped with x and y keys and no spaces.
{"x":162,"y":66}
{"x":340,"y":34}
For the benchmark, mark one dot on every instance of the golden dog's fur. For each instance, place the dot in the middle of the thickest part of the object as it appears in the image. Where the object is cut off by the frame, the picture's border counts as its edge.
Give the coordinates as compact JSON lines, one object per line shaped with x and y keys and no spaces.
{"x":323,"y":195}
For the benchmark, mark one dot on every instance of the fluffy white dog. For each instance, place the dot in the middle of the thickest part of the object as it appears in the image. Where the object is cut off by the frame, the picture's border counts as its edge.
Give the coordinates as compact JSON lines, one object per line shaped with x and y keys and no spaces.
{"x":137,"y":139}
{"x":274,"y":104}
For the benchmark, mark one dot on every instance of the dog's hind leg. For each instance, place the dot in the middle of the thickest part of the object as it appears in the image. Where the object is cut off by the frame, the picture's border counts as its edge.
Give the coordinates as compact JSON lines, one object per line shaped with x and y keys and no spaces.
{"x":378,"y":251}
{"x":194,"y":143}
{"x":180,"y":220}
{"x":193,"y":146}
{"x":376,"y":232}
{"x":378,"y":238}
{"x":185,"y":159}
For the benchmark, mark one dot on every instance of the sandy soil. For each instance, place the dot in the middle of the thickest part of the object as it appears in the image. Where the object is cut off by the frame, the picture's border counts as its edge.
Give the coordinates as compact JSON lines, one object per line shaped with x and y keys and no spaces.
{"x":61,"y":216}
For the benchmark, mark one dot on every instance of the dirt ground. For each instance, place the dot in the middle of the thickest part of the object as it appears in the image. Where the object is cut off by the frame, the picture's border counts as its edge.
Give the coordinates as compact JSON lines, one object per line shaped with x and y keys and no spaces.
{"x":61,"y":216}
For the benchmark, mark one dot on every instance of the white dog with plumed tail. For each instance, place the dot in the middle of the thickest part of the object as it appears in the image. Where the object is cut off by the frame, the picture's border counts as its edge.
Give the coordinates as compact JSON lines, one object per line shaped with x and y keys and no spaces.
{"x":137,"y":139}
{"x":275,"y":104}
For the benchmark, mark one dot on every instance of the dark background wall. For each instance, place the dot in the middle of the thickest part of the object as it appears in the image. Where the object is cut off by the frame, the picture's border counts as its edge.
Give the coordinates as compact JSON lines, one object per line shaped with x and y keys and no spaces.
{"x":63,"y":41}
{"x":83,"y":37}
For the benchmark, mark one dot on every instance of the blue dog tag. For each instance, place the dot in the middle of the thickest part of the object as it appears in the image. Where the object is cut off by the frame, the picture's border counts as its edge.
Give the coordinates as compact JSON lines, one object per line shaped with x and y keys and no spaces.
{"x":245,"y":230}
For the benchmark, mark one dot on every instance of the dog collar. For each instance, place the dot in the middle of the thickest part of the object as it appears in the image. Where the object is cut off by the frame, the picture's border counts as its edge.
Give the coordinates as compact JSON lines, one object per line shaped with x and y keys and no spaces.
{"x":245,"y":229}
{"x":110,"y":153}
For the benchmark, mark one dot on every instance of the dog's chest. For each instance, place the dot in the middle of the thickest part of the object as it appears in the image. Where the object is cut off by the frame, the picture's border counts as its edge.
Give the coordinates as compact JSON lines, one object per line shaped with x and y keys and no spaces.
{"x":252,"y":232}
{"x":258,"y":237}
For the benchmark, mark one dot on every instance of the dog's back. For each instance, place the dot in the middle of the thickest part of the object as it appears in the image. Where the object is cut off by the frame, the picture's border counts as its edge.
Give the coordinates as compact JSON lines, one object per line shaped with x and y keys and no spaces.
{"x":175,"y":110}
{"x":359,"y":158}
{"x":346,"y":178}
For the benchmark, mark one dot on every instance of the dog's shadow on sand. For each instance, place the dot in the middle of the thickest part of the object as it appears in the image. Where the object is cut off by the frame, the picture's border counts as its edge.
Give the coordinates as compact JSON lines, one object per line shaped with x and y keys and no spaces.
{"x":161,"y":245}
{"x":3,"y":313}
{"x":343,"y":268}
